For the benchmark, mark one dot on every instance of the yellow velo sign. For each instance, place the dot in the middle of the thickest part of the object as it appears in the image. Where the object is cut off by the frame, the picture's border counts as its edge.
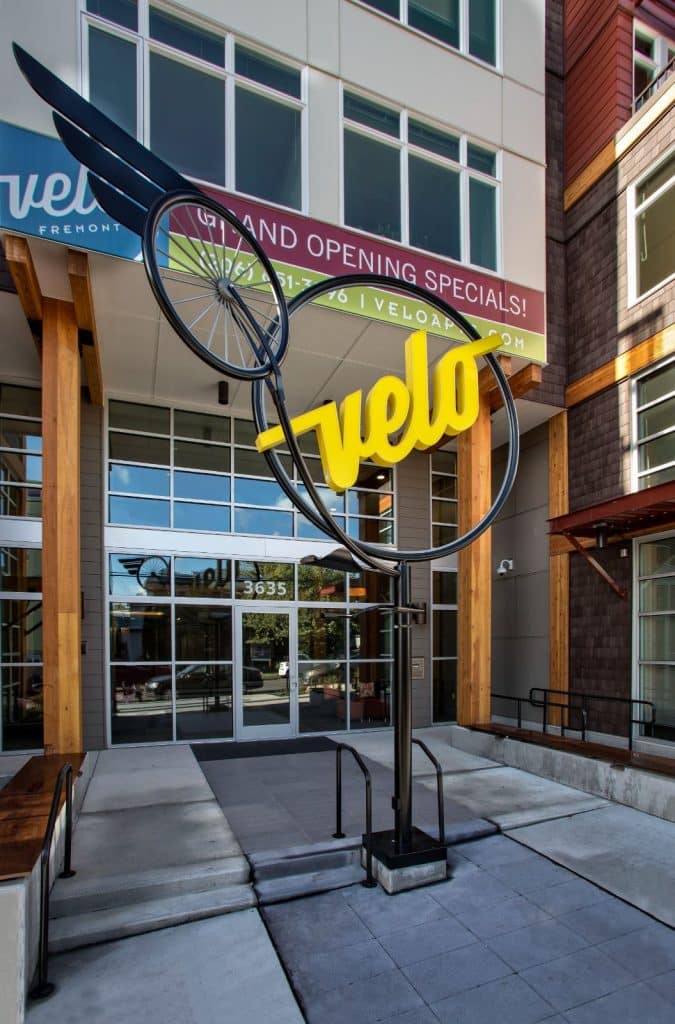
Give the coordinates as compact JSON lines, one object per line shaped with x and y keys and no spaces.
{"x":356,"y":430}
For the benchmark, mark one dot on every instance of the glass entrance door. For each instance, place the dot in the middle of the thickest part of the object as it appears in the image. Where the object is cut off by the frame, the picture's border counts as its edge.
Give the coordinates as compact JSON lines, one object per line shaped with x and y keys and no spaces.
{"x":266,"y":674}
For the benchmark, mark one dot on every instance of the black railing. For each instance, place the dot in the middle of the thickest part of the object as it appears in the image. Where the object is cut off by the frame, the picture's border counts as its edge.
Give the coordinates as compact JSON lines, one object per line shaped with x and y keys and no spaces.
{"x":439,"y":787}
{"x":43,"y":988}
{"x":654,"y":85}
{"x":581,"y":703}
{"x":369,"y":880}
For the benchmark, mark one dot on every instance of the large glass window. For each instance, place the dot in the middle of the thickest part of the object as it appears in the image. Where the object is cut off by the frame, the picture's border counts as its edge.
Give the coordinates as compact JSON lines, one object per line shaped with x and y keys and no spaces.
{"x":20,"y":451}
{"x":656,"y":622}
{"x":172,"y":646}
{"x":21,"y":648}
{"x":169,"y":87}
{"x":466,"y":25}
{"x":653,"y":227}
{"x":410,"y":181}
{"x":444,"y":627}
{"x":443,"y":497}
{"x":655,"y":426}
{"x":185,"y":471}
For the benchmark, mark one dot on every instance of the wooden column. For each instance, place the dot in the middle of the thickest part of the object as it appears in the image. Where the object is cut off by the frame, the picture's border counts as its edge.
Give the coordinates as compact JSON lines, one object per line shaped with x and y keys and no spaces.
{"x":474,"y":613}
{"x":559,"y":562}
{"x":61,"y":601}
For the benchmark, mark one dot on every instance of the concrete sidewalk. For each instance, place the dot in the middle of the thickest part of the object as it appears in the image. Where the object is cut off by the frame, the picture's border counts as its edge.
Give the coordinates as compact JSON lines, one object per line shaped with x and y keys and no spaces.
{"x":515,"y":931}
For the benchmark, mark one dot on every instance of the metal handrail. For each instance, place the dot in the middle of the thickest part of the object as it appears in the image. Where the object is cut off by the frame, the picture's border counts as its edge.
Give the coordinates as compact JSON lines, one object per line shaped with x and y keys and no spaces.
{"x":43,"y":988}
{"x":545,"y":703}
{"x":439,"y":787}
{"x":654,"y":85}
{"x":369,"y":881}
{"x":630,"y":702}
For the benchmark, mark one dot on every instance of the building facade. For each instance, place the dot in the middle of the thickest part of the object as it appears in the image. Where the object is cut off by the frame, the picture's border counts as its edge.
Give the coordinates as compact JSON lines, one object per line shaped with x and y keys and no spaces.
{"x":151,"y":561}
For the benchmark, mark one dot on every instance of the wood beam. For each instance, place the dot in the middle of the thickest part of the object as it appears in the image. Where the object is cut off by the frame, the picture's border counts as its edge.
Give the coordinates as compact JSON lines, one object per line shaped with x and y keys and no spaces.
{"x":61,"y":601}
{"x":593,"y":562}
{"x":622,"y":367}
{"x":522,"y":382}
{"x":80,"y":284}
{"x":21,"y":267}
{"x":474,"y":615}
{"x":558,"y":564}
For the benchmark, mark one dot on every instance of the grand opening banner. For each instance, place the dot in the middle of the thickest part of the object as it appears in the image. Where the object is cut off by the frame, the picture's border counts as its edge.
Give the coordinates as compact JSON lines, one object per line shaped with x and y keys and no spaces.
{"x":44,"y":193}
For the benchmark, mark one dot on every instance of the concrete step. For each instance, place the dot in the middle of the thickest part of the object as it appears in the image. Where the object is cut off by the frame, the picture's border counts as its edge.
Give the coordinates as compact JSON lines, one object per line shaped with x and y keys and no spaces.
{"x":307,"y":883}
{"x":81,"y":896}
{"x":79,"y":930}
{"x":299,"y":860}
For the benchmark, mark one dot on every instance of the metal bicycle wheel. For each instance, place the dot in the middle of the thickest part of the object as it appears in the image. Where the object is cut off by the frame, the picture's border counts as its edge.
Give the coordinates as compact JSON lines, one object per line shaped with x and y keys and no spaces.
{"x":215,"y":285}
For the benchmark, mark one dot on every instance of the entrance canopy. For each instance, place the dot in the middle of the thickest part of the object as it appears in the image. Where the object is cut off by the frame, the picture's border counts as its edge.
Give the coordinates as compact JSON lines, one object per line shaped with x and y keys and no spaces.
{"x":627,"y":516}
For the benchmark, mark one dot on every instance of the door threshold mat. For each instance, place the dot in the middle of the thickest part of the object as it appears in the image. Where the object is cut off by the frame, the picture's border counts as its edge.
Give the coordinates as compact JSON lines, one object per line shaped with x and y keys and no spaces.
{"x":261,"y":748}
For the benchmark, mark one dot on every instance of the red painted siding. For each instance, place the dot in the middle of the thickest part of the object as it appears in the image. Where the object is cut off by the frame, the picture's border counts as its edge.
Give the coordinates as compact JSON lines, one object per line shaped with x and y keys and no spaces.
{"x":598,"y":79}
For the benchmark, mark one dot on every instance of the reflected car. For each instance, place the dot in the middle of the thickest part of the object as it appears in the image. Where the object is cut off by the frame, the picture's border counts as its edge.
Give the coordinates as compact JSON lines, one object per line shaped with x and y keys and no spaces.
{"x":199,"y":680}
{"x":322,"y":673}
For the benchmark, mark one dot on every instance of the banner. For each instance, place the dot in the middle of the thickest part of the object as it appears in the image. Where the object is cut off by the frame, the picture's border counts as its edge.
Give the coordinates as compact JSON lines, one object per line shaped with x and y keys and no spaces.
{"x":44,"y":192}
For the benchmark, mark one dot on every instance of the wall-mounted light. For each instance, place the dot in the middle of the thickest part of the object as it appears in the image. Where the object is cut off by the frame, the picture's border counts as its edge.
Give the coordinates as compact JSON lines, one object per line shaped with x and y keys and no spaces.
{"x":505,"y":566}
{"x":223,"y":392}
{"x":601,"y":535}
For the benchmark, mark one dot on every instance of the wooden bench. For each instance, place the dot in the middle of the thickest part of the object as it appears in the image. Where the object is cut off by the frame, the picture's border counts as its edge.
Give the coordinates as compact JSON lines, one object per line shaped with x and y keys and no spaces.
{"x":24,"y":809}
{"x":595,"y":751}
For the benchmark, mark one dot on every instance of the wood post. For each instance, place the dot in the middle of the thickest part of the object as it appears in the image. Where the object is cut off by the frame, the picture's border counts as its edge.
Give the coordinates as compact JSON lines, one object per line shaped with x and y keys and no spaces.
{"x":558,"y":563}
{"x":474,"y":612}
{"x":61,"y":596}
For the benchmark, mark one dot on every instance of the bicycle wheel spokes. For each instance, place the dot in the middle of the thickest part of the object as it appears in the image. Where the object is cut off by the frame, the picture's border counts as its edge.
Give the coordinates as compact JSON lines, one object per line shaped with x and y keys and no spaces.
{"x":215,"y":285}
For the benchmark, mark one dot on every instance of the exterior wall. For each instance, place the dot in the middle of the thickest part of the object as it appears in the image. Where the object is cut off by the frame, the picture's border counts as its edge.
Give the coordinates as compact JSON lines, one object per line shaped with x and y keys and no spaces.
{"x":601,"y":637}
{"x":599,"y":445}
{"x":94,"y":623}
{"x":342,"y":40}
{"x":599,"y":58}
{"x":520,"y":625}
{"x":414,"y":531}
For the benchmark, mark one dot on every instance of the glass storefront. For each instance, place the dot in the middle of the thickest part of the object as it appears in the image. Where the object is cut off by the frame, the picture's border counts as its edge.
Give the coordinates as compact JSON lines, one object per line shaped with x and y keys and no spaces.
{"x":21,"y":648}
{"x":656,"y":632}
{"x":217,"y":648}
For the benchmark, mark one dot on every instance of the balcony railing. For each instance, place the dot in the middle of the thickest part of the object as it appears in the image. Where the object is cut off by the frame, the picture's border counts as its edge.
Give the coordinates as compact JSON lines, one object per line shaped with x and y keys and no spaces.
{"x":654,"y":85}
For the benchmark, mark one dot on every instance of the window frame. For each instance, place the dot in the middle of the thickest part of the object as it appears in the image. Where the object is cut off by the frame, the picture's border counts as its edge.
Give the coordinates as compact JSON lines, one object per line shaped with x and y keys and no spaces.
{"x":636,"y":441}
{"x":655,"y":64}
{"x":408,"y":149}
{"x":145,"y":45}
{"x":27,"y":596}
{"x":633,"y":212}
{"x":463,"y":48}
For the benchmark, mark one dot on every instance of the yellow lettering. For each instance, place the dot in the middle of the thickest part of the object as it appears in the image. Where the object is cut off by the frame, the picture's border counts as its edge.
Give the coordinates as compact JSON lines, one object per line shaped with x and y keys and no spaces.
{"x":394,"y":406}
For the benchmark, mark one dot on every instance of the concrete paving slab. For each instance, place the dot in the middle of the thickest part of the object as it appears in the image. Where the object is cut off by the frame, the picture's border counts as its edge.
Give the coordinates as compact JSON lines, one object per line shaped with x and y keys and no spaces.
{"x":511,"y":798}
{"x":664,"y":984}
{"x":645,"y":953}
{"x":184,"y":975}
{"x":140,"y":777}
{"x":637,"y":1004}
{"x":460,"y":969}
{"x":536,"y":944}
{"x":364,"y":1002}
{"x":140,"y":838}
{"x":504,"y":1000}
{"x":626,"y":852}
{"x":578,"y":978}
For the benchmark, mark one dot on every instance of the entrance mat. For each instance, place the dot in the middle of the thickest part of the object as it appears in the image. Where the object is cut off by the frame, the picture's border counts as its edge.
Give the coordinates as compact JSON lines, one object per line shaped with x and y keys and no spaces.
{"x":261,"y":748}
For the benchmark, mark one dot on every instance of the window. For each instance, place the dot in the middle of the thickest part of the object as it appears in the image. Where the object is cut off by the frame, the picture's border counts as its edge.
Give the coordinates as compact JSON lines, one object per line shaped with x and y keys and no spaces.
{"x":652,"y":206}
{"x":182,"y":470}
{"x":466,"y":25}
{"x":656,"y":631}
{"x":21,"y":648}
{"x":410,"y":181}
{"x":653,"y":57}
{"x":173,"y":659}
{"x":444,"y":646}
{"x":190,"y":92}
{"x":443,"y":497}
{"x":655,"y":426}
{"x":20,"y":451}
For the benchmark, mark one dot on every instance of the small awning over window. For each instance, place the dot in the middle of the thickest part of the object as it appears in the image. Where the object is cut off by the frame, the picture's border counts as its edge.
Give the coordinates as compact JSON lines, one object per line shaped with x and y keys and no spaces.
{"x":629,"y":515}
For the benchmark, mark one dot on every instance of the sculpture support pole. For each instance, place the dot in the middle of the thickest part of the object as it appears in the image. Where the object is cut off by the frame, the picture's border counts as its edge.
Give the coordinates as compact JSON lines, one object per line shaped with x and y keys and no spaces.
{"x":402,"y":714}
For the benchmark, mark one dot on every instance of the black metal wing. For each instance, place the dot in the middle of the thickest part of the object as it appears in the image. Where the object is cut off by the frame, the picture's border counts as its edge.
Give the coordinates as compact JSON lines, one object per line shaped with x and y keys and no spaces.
{"x":125,"y":177}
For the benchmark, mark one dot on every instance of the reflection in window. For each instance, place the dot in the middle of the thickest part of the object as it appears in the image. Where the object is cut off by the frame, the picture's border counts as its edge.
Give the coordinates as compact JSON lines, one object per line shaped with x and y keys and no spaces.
{"x":654,"y":227}
{"x":656,"y":616}
{"x":203,"y":631}
{"x":20,"y":451}
{"x":370,"y":694}
{"x":443,"y":497}
{"x":444,"y":651}
{"x":21,"y":648}
{"x":140,"y":632}
{"x":264,"y":581}
{"x":141,"y":703}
